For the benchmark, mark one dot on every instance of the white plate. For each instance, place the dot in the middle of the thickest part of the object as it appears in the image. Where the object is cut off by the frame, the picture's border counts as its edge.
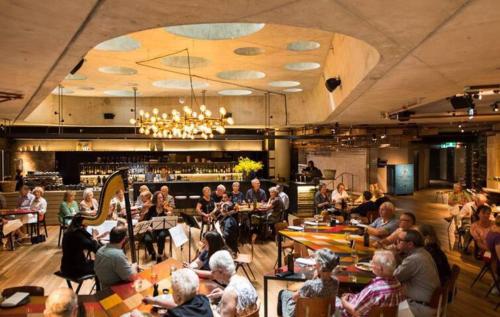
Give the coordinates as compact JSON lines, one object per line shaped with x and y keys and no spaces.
{"x":363,"y":266}
{"x":296,"y":228}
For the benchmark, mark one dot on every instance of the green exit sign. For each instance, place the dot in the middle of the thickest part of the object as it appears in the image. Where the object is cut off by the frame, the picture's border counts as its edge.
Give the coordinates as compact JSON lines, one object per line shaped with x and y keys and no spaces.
{"x":448,"y":145}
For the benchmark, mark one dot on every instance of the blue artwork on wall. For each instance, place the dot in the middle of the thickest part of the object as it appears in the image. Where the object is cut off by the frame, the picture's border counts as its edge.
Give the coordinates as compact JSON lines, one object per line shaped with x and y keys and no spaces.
{"x":400,"y":179}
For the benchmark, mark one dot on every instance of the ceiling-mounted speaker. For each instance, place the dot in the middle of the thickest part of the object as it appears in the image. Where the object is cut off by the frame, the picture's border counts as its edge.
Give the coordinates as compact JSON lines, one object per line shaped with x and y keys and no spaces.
{"x":404,"y":115}
{"x":460,"y":102}
{"x":109,"y":116}
{"x":77,"y":67}
{"x":332,"y":83}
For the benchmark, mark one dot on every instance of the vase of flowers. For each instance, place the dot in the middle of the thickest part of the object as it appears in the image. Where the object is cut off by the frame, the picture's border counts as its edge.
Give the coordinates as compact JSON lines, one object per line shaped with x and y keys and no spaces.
{"x":248,"y":167}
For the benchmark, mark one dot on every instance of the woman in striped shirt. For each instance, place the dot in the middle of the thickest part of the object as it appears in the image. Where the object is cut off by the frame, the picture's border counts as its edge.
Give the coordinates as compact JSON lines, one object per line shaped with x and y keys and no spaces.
{"x":383,"y":291}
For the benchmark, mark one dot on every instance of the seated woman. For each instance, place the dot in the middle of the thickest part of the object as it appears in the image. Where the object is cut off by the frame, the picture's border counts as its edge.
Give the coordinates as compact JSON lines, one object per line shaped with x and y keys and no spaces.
{"x":186,"y":302}
{"x":383,"y":291}
{"x":139,"y":202}
{"x":155,"y":209}
{"x":38,"y":204}
{"x":270,"y":212}
{"x":212,"y":242}
{"x":68,"y":208}
{"x":76,"y":241}
{"x":479,"y":230}
{"x":205,"y":205}
{"x":236,"y":196}
{"x":493,"y":242}
{"x":432,"y":245}
{"x":89,"y":205}
{"x":239,"y":297}
{"x":324,"y":285}
{"x":117,"y":205}
{"x":321,"y":201}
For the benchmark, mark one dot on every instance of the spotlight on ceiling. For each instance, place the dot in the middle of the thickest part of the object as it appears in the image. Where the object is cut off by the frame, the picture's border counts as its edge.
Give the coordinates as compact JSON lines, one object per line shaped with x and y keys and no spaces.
{"x":332,"y":83}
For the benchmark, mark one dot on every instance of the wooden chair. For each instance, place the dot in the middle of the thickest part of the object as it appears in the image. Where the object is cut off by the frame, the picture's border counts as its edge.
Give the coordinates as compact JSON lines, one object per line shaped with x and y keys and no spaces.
{"x":439,"y":299}
{"x":255,"y":313}
{"x":79,"y":281}
{"x":298,"y":221}
{"x":378,"y":311}
{"x":32,"y":290}
{"x":314,"y":307}
{"x":243,"y":260}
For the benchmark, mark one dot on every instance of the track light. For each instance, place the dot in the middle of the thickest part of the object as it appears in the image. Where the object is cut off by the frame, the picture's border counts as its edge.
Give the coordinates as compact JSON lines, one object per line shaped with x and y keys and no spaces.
{"x":332,"y":83}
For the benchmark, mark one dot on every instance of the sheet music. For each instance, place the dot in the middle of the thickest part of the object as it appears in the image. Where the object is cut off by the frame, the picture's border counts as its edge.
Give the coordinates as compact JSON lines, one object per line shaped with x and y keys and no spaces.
{"x":178,"y":235}
{"x":106,"y":226}
{"x":142,"y":227}
{"x":167,"y":222}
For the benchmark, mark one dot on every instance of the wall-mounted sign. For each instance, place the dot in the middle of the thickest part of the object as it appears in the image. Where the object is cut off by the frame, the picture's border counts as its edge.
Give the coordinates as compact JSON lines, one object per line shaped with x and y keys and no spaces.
{"x":448,"y":145}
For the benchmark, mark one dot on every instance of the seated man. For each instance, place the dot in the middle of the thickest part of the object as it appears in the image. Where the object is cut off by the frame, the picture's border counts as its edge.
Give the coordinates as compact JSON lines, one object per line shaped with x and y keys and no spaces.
{"x":229,"y":225}
{"x":479,"y":230}
{"x":323,"y":286}
{"x":111,"y":265}
{"x":417,"y":272}
{"x":186,"y":300}
{"x":366,"y":206}
{"x":407,"y":221}
{"x":61,"y":303}
{"x":384,"y":225}
{"x":383,"y":291}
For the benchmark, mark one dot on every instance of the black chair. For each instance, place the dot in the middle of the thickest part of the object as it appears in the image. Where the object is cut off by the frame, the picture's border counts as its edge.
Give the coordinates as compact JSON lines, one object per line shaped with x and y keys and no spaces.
{"x":79,"y":281}
{"x":32,"y":290}
{"x":62,"y":228}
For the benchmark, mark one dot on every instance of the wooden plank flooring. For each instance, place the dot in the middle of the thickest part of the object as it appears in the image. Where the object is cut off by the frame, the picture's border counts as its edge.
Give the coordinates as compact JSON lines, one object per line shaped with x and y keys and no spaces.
{"x":36,"y":264}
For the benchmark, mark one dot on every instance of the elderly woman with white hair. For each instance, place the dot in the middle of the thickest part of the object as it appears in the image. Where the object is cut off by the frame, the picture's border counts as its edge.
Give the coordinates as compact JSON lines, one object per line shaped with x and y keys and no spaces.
{"x":324,"y":285}
{"x":186,"y":302}
{"x":38,"y":204}
{"x":383,"y":291}
{"x":270,"y":212}
{"x":239,"y":297}
{"x":89,"y":204}
{"x":61,"y":303}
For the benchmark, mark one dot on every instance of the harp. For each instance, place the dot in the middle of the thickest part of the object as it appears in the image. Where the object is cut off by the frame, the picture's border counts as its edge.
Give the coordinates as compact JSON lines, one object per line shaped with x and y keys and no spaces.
{"x":118,"y":180}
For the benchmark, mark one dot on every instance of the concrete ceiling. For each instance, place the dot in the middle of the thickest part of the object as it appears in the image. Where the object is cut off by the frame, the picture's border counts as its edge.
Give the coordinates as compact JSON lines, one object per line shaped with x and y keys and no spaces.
{"x":428,"y":49}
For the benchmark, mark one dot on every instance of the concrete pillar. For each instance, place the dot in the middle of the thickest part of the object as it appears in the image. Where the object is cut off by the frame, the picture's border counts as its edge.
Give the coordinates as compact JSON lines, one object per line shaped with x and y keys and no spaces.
{"x":282,"y":155}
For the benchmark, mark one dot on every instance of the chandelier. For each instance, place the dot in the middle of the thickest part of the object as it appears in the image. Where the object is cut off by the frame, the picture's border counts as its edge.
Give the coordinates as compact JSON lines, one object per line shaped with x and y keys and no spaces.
{"x":185,"y":125}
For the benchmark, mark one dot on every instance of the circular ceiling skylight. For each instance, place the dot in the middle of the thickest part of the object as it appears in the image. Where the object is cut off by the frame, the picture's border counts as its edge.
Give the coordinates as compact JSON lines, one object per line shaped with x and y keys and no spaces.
{"x":293,"y":90}
{"x":249,"y":51}
{"x":303,"y":46}
{"x":117,"y":70}
{"x":119,"y":44}
{"x":182,"y":61}
{"x":119,"y":93}
{"x":215,"y":31}
{"x":179,"y":84}
{"x":65,"y":91}
{"x":284,"y":83}
{"x":302,"y":66}
{"x":240,"y":74}
{"x":75,"y":77}
{"x":235,"y":92}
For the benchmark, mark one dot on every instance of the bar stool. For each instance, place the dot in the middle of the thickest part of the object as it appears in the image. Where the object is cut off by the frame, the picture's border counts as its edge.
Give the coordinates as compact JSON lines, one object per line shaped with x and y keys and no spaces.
{"x":180,"y":202}
{"x":193,"y":199}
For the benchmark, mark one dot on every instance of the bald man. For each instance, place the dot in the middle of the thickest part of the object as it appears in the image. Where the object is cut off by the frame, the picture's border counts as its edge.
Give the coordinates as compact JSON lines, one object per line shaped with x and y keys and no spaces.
{"x":61,"y":303}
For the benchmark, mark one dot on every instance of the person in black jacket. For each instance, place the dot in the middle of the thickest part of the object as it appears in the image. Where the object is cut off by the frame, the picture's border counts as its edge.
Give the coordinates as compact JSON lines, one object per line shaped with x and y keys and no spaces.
{"x":432,"y":245}
{"x":366,"y":206}
{"x":76,"y":241}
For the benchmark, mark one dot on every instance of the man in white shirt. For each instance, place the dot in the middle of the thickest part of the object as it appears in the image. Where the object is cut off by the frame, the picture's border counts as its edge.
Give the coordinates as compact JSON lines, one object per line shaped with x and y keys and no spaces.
{"x":339,"y":194}
{"x":284,"y":197}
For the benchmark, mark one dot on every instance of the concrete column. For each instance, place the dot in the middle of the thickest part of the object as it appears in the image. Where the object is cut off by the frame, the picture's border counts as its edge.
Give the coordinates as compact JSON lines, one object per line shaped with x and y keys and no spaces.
{"x":282,"y":155}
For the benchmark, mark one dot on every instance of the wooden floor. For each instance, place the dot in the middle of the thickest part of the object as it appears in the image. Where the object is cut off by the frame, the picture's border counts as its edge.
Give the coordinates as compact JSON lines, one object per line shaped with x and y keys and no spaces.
{"x":35,"y":265}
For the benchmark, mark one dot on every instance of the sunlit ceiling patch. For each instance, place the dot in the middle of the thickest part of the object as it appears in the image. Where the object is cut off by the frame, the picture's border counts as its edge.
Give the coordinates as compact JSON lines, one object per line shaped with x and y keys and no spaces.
{"x":284,"y":83}
{"x":179,"y":84}
{"x":117,"y":70}
{"x":65,"y":91}
{"x":131,"y":84}
{"x":240,"y":74}
{"x":303,"y":46}
{"x":302,"y":66}
{"x":235,"y":92}
{"x":75,"y":77}
{"x":119,"y":44}
{"x":293,"y":90}
{"x":119,"y":93}
{"x":215,"y":31}
{"x":249,"y":51}
{"x":182,"y":61}
{"x":85,"y":88}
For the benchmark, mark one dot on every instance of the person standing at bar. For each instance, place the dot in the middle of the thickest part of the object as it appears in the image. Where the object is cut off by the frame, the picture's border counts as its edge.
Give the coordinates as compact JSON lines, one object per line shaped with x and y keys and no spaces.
{"x":256,"y":194}
{"x":312,"y":171}
{"x":163,"y":176}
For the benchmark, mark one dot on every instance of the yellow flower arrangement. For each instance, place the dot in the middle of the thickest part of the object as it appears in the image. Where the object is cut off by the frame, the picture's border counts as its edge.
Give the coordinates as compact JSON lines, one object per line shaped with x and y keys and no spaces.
{"x":246,"y":166}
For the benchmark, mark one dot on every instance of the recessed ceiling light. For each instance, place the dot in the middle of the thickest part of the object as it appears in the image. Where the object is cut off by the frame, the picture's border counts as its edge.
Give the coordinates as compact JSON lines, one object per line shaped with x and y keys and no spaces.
{"x":215,"y":31}
{"x":182,"y":61}
{"x":302,"y":66}
{"x":119,"y":93}
{"x":75,"y":77}
{"x":293,"y":90}
{"x":179,"y":84}
{"x":119,"y":44}
{"x":65,"y":91}
{"x":117,"y":70}
{"x":284,"y":83}
{"x":241,"y":74}
{"x":303,"y":46}
{"x":249,"y":51}
{"x":235,"y":92}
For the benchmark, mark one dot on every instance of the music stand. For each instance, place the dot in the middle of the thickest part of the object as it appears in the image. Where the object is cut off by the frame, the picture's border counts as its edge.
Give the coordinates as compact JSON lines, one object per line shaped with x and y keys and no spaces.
{"x":192,"y":223}
{"x":164,"y":223}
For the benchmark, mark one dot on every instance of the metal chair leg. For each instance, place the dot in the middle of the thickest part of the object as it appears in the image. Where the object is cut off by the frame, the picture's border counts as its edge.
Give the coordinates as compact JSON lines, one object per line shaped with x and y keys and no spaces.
{"x":250,"y":268}
{"x":483,"y":271}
